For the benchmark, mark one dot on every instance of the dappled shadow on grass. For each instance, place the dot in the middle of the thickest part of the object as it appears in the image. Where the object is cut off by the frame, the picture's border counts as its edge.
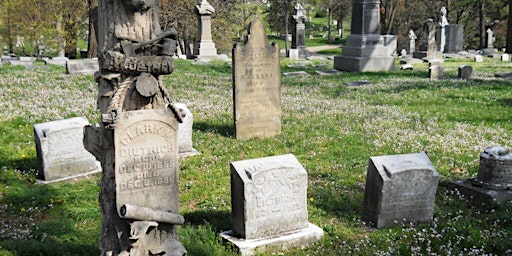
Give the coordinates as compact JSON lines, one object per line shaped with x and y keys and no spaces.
{"x":48,"y":247}
{"x":505,"y":102}
{"x":226,"y":130}
{"x":219,"y":220}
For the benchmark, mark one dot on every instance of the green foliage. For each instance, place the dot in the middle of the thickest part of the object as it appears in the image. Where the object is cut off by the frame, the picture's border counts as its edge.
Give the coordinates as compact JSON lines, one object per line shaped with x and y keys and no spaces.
{"x":332,"y":128}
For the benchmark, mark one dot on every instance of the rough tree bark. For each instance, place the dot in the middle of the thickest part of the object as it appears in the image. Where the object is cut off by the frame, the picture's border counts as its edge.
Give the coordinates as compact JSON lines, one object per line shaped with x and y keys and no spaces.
{"x":92,"y":43}
{"x":509,"y":28}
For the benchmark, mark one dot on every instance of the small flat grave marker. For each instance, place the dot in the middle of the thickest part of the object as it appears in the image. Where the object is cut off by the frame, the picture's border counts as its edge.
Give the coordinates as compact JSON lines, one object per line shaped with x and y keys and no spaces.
{"x":86,"y":66}
{"x":327,"y":72}
{"x":296,"y":73}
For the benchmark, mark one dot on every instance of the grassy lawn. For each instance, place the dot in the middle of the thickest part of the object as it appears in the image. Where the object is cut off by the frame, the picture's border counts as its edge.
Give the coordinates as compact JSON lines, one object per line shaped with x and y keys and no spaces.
{"x":330,"y":127}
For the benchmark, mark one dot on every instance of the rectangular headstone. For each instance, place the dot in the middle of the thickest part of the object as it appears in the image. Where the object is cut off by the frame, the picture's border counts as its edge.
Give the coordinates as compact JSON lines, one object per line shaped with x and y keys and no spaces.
{"x":257,"y":86}
{"x":465,"y":72}
{"x":185,"y":132}
{"x":435,"y":72}
{"x":479,"y":58}
{"x":454,"y":38}
{"x":85,"y":66}
{"x":293,"y":54}
{"x":399,"y":189}
{"x":269,"y":205}
{"x":505,"y":57}
{"x":60,"y":150}
{"x":146,"y":159}
{"x":59,"y":61}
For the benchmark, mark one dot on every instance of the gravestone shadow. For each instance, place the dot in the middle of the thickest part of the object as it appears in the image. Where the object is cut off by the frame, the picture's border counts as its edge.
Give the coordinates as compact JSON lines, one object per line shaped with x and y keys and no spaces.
{"x":226,"y":130}
{"x":218,"y":220}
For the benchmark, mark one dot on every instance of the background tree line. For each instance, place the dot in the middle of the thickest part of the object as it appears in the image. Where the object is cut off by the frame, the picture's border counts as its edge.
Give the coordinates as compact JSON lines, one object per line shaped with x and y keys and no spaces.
{"x":57,"y":25}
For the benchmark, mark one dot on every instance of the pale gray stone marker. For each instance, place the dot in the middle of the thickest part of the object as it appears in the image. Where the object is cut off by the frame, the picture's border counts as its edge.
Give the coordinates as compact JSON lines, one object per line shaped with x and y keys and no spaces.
{"x":257,"y":86}
{"x":60,"y":150}
{"x":86,"y":66}
{"x":185,"y":132}
{"x":269,"y":205}
{"x":465,"y":72}
{"x":399,"y":188}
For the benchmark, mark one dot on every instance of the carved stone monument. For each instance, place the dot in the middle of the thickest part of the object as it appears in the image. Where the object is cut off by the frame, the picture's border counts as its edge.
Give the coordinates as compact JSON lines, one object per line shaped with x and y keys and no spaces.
{"x":412,"y":42}
{"x":256,"y":85}
{"x":185,"y":132}
{"x":441,"y":36}
{"x":205,"y":46}
{"x":269,"y":205}
{"x":299,"y":31}
{"x":365,"y":49}
{"x":454,"y":38}
{"x":137,"y":141}
{"x":60,"y":151}
{"x":399,"y":189}
{"x":428,"y":46}
{"x":493,"y":182}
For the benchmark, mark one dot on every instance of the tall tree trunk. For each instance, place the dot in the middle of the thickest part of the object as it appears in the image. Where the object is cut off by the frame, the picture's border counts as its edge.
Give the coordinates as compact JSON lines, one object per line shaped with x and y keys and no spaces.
{"x":329,"y":25}
{"x":10,"y":40}
{"x":509,"y":28}
{"x":481,"y":13}
{"x":286,"y":24}
{"x":61,"y":42}
{"x":92,"y":43}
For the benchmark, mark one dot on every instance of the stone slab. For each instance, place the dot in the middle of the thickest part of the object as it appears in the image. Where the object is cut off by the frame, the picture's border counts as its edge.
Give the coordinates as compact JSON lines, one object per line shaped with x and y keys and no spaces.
{"x":503,"y":75}
{"x":297,"y":73}
{"x":465,"y":72}
{"x":480,"y":194}
{"x":505,"y":57}
{"x":185,"y":132}
{"x":399,"y":189}
{"x":358,"y":83}
{"x":435,"y":72}
{"x":59,"y":61}
{"x":364,"y":64}
{"x":293,"y":54}
{"x":257,"y":86}
{"x":21,"y":63}
{"x":479,"y":58}
{"x":295,"y":239}
{"x":85,"y":66}
{"x":327,"y":72}
{"x":146,"y":160}
{"x":60,"y":151}
{"x":268,"y":197}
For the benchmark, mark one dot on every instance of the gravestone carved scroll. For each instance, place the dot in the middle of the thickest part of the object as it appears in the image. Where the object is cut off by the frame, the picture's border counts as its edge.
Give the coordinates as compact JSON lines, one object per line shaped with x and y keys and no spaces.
{"x":136,"y":141}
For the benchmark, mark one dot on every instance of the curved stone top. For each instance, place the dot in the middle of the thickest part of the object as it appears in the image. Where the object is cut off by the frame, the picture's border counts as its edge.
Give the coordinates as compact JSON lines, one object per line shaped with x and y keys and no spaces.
{"x":498,"y":152}
{"x":205,"y":8}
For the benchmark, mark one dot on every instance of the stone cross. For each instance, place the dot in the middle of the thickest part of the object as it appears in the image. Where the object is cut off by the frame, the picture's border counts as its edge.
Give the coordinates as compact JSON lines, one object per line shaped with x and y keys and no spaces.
{"x":205,"y":46}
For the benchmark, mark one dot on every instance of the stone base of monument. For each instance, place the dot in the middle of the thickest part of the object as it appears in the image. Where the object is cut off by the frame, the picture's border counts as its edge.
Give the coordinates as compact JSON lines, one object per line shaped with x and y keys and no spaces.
{"x":75,"y":177}
{"x":363,"y":64}
{"x":296,"y":239}
{"x":480,"y":194}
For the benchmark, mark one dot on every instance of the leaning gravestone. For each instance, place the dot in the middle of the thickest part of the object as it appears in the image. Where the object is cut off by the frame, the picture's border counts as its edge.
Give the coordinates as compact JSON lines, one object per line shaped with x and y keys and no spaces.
{"x":493,"y":182}
{"x":86,"y":66}
{"x":137,"y":139}
{"x":399,"y":189}
{"x":60,"y":151}
{"x":256,"y":86}
{"x":269,"y":205}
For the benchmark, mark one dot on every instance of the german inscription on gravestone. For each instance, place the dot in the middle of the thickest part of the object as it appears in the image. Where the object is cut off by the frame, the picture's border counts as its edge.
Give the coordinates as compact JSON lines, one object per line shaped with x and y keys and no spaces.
{"x":257,"y":86}
{"x":146,"y":159}
{"x":268,"y":196}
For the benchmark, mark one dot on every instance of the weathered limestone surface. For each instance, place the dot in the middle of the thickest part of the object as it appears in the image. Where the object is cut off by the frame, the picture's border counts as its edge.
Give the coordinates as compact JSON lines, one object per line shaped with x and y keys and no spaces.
{"x":256,"y":86}
{"x":60,"y":151}
{"x":86,"y":66}
{"x":185,"y":131}
{"x":399,"y":188}
{"x":269,"y":204}
{"x":465,"y":72}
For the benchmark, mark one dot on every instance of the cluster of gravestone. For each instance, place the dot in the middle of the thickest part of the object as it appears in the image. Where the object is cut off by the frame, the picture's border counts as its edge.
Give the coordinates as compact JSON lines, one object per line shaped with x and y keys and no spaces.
{"x":142,"y":133}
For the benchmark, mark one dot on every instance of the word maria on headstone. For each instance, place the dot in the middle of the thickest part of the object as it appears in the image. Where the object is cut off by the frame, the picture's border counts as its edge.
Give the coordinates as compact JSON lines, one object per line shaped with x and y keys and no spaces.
{"x":493,"y":182}
{"x":137,"y":139}
{"x":269,"y":205}
{"x":60,"y":151}
{"x":256,"y":86}
{"x":399,"y":189}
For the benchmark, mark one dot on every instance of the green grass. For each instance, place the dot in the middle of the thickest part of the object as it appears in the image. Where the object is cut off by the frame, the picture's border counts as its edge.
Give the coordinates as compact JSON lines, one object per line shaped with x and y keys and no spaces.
{"x":330,"y":127}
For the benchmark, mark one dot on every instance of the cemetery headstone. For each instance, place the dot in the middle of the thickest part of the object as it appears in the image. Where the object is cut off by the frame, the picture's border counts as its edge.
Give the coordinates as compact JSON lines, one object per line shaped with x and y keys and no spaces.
{"x":505,"y":57}
{"x":137,"y":139}
{"x":256,"y":85}
{"x":85,"y":66}
{"x":269,"y":205}
{"x":390,"y":43}
{"x":364,"y":49}
{"x":443,"y":22}
{"x":399,"y":189}
{"x":479,"y":58}
{"x":293,"y":54}
{"x":327,"y":72}
{"x":185,"y":132}
{"x":299,"y":31}
{"x":60,"y":151}
{"x":435,"y":72}
{"x":465,"y":72}
{"x":59,"y":61}
{"x":490,"y":39}
{"x":25,"y":63}
{"x":205,"y":47}
{"x":428,"y":46}
{"x":454,"y":38}
{"x":493,"y":182}
{"x":412,"y":42}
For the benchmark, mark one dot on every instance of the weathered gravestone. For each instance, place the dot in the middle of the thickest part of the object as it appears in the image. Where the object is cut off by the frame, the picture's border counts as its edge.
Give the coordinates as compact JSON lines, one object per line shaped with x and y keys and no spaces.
{"x":256,"y":86}
{"x":428,"y":46}
{"x":435,"y":72}
{"x":86,"y":66}
{"x":137,"y":141}
{"x":269,"y":205}
{"x":493,"y":182}
{"x":505,"y":57}
{"x":293,"y":54}
{"x":205,"y":47}
{"x":454,"y":38}
{"x":479,"y":58}
{"x":365,"y":49}
{"x":299,"y":31}
{"x":411,"y":46}
{"x":59,"y":61}
{"x":60,"y":151}
{"x":441,"y":33}
{"x":465,"y":72}
{"x":185,"y":131}
{"x":399,"y":189}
